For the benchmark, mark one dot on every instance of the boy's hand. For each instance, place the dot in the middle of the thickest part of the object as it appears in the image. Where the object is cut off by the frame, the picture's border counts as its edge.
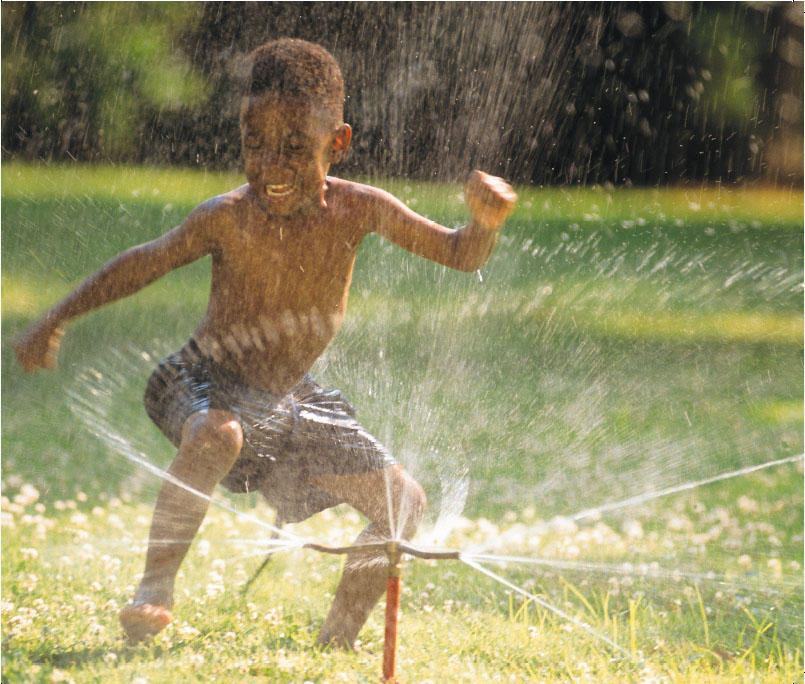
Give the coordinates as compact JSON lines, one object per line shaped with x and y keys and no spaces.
{"x":38,"y":346}
{"x":490,"y":199}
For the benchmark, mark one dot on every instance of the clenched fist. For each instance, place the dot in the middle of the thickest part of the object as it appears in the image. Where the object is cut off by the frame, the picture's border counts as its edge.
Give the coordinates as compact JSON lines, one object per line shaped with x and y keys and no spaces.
{"x":490,"y":199}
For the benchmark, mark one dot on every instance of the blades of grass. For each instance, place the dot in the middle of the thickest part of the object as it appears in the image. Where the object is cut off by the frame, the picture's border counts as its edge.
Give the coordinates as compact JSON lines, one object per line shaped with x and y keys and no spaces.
{"x":581,"y":597}
{"x":614,"y":628}
{"x":703,"y":614}
{"x":633,"y":604}
{"x":760,"y":629}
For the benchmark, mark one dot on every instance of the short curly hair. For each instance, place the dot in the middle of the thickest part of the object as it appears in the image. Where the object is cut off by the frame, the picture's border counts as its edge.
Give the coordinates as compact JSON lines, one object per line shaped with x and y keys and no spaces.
{"x":289,"y":66}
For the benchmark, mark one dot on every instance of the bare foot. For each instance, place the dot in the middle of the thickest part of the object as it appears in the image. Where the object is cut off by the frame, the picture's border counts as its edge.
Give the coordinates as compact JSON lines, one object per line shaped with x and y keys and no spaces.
{"x":337,"y":641}
{"x":143,"y":620}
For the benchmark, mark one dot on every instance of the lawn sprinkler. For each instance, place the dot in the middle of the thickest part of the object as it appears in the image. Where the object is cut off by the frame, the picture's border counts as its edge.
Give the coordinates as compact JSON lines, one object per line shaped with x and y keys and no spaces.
{"x":394,"y":550}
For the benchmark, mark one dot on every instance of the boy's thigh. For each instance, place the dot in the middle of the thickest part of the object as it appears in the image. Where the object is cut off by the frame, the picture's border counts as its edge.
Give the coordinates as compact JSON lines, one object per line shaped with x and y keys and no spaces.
{"x":378,"y":494}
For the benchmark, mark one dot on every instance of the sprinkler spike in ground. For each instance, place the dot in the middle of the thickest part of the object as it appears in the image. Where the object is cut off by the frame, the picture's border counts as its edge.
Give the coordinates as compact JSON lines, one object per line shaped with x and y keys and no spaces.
{"x":394,"y":550}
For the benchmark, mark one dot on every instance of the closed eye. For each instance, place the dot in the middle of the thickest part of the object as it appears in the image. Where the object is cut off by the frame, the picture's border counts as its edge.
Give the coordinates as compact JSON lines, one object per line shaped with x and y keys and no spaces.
{"x":296,"y":143}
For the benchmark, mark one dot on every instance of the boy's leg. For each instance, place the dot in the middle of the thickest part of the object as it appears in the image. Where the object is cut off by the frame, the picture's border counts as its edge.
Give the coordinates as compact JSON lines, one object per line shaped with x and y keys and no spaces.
{"x":395,"y":503}
{"x":211,"y":442}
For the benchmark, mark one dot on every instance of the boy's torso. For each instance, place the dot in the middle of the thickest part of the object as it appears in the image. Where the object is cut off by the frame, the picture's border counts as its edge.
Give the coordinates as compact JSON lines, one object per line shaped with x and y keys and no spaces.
{"x":279,"y":286}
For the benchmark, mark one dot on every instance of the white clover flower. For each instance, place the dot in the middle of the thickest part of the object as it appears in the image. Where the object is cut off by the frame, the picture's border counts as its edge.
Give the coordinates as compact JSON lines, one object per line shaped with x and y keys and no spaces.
{"x":747,"y":505}
{"x":28,"y":494}
{"x":79,"y":519}
{"x":633,"y":529}
{"x":188,"y":631}
{"x":776,"y":566}
{"x":213,"y":590}
{"x":563,"y":525}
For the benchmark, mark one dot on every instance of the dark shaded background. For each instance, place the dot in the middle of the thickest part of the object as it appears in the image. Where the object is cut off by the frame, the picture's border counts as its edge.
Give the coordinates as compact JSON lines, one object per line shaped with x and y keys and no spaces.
{"x":543,"y":93}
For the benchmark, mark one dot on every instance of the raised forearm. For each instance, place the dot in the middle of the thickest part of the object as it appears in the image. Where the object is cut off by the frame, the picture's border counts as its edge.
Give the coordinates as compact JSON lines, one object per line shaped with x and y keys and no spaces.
{"x":490,"y":201}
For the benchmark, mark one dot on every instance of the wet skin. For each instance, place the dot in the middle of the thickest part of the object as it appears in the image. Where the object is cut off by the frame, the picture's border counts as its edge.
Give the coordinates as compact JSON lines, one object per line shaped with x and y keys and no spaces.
{"x":283,"y":247}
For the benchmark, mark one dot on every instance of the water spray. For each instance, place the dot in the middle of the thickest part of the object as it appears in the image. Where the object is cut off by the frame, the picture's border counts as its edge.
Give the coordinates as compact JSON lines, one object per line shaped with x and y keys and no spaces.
{"x":394,"y":550}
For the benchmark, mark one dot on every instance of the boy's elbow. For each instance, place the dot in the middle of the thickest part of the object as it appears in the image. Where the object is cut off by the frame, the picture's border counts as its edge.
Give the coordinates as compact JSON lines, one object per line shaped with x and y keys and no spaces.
{"x":471,"y":266}
{"x":472,"y":249}
{"x":471,"y":261}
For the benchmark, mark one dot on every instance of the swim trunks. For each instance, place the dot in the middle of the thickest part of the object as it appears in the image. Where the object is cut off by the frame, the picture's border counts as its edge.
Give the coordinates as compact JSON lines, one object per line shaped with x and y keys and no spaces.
{"x":287,"y":440}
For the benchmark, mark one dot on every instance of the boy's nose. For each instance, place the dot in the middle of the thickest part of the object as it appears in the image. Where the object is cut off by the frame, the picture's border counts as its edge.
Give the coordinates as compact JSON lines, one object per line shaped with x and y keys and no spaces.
{"x":271,"y":157}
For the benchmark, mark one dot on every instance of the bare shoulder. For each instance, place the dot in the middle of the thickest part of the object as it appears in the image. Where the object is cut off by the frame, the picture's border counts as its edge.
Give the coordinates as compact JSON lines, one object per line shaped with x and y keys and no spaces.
{"x":220,"y":212}
{"x":354,"y":192}
{"x":362,"y":204}
{"x":229,"y":204}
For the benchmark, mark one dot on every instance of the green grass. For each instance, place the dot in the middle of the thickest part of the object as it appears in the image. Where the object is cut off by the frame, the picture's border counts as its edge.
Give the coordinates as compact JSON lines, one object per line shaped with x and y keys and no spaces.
{"x":621,"y":342}
{"x":67,"y":566}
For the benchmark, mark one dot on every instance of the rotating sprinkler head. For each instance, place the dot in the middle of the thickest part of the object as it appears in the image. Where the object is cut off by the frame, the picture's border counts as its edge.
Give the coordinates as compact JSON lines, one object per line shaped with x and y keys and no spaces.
{"x":394,"y":550}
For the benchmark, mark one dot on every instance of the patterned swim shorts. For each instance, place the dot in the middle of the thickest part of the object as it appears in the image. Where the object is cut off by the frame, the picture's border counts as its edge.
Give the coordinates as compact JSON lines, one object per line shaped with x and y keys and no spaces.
{"x":287,"y":440}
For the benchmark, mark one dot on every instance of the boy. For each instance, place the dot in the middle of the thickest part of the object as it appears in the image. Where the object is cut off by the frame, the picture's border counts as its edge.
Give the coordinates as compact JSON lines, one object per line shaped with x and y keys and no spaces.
{"x":237,"y":400}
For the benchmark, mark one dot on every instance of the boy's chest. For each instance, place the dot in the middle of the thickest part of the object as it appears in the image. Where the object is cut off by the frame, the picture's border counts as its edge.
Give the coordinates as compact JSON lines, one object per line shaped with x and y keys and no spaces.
{"x":288,"y":257}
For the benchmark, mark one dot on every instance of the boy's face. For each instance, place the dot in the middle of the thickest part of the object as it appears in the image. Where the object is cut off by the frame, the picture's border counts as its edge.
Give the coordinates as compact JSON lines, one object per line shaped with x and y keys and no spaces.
{"x":288,"y":145}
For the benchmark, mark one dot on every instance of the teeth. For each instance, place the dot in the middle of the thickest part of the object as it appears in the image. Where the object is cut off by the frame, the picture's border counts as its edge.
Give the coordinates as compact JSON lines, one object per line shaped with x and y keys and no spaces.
{"x":278,"y":190}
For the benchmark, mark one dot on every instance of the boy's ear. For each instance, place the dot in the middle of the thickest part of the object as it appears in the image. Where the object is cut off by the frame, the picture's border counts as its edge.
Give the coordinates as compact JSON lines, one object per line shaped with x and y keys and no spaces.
{"x":341,"y":140}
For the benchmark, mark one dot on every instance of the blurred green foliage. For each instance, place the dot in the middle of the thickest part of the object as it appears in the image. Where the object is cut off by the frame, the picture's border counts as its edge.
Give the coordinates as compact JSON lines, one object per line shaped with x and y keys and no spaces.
{"x":89,"y":75}
{"x":542,"y":93}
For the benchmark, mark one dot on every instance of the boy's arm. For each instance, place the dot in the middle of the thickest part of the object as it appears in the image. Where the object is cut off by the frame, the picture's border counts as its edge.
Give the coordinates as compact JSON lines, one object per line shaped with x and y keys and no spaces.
{"x":124,"y":275}
{"x":490,"y":201}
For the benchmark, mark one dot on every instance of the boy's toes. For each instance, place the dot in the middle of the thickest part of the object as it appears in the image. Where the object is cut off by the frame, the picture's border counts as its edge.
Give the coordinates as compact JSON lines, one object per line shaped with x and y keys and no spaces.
{"x":143,"y":620}
{"x":335,"y":641}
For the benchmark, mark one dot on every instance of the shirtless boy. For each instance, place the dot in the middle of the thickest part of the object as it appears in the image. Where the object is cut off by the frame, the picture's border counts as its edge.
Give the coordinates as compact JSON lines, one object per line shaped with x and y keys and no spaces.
{"x":237,"y":400}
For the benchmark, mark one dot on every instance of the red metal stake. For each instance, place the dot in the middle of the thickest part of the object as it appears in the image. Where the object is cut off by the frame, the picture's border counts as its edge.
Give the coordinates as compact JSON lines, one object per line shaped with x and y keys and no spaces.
{"x":392,"y":611}
{"x":390,"y":642}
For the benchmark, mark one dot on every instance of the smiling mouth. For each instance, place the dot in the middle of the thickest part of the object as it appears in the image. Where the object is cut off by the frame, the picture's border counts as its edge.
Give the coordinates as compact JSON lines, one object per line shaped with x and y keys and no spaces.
{"x":279,"y":190}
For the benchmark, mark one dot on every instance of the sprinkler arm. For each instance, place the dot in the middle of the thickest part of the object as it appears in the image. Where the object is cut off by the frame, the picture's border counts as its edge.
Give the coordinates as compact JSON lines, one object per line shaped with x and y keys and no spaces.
{"x":393,"y":549}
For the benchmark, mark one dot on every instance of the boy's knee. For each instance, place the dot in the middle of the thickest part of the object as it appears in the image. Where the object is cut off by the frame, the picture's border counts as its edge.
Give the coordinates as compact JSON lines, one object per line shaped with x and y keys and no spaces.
{"x":417,"y":498}
{"x":213,"y":429}
{"x":415,"y":504}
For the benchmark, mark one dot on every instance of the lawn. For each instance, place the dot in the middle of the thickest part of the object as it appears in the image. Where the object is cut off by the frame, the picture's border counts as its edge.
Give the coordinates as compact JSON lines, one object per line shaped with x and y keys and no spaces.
{"x":619,"y":347}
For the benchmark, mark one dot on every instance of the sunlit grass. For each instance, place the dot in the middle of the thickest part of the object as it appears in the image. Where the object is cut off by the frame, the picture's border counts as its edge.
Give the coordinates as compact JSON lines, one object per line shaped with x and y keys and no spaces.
{"x":189,"y":186}
{"x":69,"y":565}
{"x":120,"y":183}
{"x":694,"y":327}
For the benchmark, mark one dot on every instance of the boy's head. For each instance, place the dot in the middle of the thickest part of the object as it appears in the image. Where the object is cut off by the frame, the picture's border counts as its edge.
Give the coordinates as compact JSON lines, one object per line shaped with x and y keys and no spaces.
{"x":296,"y":68}
{"x":291,"y":124}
